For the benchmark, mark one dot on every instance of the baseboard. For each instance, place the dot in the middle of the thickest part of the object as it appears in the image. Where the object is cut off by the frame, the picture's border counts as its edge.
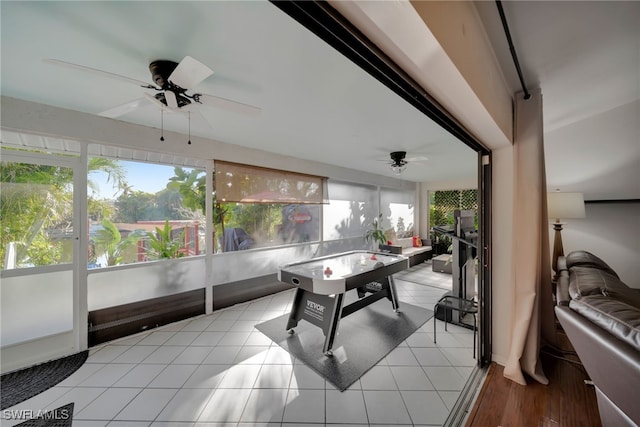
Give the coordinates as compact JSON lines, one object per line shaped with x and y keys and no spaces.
{"x":116,"y":322}
{"x":229,"y":294}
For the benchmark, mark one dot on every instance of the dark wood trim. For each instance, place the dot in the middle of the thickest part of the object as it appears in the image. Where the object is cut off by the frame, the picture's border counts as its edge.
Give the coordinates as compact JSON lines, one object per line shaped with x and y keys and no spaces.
{"x":233,"y":293}
{"x":110,"y":323}
{"x":485,"y":338}
{"x":612,"y":201}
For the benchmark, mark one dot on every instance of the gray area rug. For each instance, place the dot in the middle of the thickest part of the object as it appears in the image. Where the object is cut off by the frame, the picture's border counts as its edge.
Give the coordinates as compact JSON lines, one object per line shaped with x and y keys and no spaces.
{"x":364,"y":338}
{"x":18,"y":386}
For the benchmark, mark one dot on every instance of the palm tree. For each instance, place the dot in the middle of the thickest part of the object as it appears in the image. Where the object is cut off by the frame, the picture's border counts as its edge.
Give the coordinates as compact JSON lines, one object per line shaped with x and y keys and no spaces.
{"x":111,"y":242}
{"x":193,"y":189}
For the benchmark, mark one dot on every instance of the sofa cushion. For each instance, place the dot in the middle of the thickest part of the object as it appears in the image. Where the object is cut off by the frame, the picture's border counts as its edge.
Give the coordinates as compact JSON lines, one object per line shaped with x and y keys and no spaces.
{"x":629,"y":295}
{"x":620,"y":319}
{"x":587,"y":259}
{"x":406,"y":242}
{"x":590,"y":281}
{"x":412,"y":251}
{"x":584,"y":281}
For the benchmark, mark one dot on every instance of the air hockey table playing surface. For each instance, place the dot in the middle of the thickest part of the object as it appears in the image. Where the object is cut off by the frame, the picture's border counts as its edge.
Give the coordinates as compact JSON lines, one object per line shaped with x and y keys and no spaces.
{"x":322,"y":282}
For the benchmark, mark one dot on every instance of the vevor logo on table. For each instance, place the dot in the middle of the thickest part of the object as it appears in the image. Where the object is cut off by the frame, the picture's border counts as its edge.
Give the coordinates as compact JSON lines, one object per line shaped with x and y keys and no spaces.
{"x":315,"y":306}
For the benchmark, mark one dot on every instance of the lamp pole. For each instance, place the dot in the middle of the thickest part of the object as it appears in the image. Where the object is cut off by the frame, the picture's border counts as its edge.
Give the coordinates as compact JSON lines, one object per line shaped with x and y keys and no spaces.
{"x":558,"y":251}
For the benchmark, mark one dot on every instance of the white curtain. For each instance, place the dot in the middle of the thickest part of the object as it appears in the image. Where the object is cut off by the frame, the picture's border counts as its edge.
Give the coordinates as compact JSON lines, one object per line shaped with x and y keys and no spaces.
{"x":533,"y":317}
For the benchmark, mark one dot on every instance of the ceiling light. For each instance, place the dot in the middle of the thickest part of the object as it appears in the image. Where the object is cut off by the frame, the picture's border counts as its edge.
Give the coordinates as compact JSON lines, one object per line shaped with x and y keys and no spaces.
{"x":398,"y":167}
{"x":398,"y":162}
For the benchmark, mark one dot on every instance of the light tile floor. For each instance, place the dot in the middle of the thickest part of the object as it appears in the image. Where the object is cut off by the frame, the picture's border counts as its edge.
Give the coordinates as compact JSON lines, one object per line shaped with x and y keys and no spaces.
{"x":218,"y":370}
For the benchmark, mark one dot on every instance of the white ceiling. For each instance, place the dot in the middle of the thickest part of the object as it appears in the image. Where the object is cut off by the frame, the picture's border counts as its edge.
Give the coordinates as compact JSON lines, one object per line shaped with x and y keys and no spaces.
{"x":315,"y":103}
{"x":585,"y":56}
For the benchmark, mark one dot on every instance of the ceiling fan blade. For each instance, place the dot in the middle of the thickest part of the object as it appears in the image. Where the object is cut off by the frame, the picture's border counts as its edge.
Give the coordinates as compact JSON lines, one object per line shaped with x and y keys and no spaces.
{"x":104,"y":73}
{"x":229,"y":104}
{"x":153,"y":100}
{"x":167,"y":109}
{"x":170,"y":97}
{"x":189,"y":73}
{"x":417,"y":159}
{"x":123,"y":109}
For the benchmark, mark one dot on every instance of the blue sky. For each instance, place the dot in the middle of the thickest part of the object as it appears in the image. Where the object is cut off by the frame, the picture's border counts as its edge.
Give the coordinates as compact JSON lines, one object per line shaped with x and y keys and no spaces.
{"x":145,"y":177}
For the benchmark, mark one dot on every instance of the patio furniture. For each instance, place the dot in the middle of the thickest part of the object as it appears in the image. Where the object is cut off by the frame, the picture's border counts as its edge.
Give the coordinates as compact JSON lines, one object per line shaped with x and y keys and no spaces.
{"x":464,"y":306}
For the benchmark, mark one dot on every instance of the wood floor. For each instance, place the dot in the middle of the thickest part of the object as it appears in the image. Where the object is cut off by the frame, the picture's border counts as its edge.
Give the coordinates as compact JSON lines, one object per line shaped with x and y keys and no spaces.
{"x":565,"y":401}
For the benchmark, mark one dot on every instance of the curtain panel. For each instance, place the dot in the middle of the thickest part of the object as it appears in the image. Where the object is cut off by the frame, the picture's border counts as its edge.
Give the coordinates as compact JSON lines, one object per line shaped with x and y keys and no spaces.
{"x":533,"y":316}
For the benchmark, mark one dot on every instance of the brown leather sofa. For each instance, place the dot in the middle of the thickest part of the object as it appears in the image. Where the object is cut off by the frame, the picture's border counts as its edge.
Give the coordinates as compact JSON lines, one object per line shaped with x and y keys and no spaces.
{"x":601,"y":317}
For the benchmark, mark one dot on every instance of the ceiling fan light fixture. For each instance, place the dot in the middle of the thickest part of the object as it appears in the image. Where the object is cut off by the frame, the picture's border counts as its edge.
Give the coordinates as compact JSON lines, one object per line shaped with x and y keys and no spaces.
{"x":398,"y":168}
{"x":398,"y":163}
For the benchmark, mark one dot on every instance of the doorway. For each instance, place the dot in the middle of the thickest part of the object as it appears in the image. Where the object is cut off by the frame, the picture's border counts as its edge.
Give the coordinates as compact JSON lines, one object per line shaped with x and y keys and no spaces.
{"x":41,"y":257}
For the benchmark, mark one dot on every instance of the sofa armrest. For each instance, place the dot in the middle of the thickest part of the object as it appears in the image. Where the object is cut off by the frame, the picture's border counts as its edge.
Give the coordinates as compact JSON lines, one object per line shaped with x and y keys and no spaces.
{"x":562,"y":263}
{"x":613,"y":365}
{"x":393,"y":249}
{"x":562,"y":288}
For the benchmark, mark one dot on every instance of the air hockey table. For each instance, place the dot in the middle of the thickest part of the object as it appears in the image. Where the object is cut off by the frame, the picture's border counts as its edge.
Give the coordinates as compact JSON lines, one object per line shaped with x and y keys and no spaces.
{"x":322,"y":283}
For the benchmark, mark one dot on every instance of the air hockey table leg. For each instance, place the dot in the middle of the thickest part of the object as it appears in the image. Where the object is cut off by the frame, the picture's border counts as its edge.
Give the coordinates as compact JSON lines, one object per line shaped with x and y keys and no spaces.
{"x":332,"y":330}
{"x":394,"y":295}
{"x":293,"y":321}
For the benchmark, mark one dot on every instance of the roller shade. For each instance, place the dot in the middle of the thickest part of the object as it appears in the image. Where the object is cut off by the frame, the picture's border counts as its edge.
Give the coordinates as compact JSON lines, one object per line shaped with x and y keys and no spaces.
{"x":235,"y":182}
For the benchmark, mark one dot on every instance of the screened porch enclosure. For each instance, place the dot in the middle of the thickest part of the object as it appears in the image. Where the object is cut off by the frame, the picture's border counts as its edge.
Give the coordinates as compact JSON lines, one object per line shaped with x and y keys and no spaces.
{"x":101,"y":268}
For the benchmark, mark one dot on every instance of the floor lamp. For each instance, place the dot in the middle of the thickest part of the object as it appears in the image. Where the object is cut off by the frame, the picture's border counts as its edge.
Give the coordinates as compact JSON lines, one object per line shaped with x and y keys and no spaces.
{"x":563,"y":206}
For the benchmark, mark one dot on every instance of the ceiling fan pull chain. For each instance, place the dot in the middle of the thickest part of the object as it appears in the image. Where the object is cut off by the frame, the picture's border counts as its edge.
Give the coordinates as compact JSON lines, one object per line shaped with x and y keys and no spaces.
{"x":161,"y":124}
{"x":189,"y":142}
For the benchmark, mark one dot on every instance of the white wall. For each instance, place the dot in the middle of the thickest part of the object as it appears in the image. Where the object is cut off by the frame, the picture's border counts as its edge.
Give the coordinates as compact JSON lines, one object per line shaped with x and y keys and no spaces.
{"x":610,"y":231}
{"x":401,"y":32}
{"x":459,"y":30}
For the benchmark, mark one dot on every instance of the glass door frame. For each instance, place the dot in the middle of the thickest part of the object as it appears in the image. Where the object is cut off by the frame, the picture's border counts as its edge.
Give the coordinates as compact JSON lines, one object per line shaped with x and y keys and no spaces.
{"x":51,"y":346}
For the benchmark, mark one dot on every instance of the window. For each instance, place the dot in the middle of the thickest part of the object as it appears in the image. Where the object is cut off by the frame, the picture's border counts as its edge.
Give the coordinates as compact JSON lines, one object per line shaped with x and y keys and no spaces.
{"x":36,"y":214}
{"x":442,"y":203}
{"x":259,"y":207}
{"x":397,"y":211}
{"x":143,"y":211}
{"x":351,"y":209}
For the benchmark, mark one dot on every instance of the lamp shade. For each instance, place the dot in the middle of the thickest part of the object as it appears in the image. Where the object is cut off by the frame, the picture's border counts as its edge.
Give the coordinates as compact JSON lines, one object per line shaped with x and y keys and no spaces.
{"x":565,"y":205}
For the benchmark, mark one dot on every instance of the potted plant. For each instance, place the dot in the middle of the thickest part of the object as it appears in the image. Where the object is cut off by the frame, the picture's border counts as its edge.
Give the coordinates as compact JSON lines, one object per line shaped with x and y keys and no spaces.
{"x":376,"y":233}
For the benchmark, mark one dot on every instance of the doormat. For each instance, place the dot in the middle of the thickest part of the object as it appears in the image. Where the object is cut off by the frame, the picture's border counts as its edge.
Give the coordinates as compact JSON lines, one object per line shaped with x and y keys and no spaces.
{"x":18,"y":386}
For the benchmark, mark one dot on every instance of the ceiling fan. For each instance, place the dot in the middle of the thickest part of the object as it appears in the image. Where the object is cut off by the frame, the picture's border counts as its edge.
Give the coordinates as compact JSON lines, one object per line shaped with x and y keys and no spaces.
{"x":171,"y":81}
{"x":399,"y":161}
